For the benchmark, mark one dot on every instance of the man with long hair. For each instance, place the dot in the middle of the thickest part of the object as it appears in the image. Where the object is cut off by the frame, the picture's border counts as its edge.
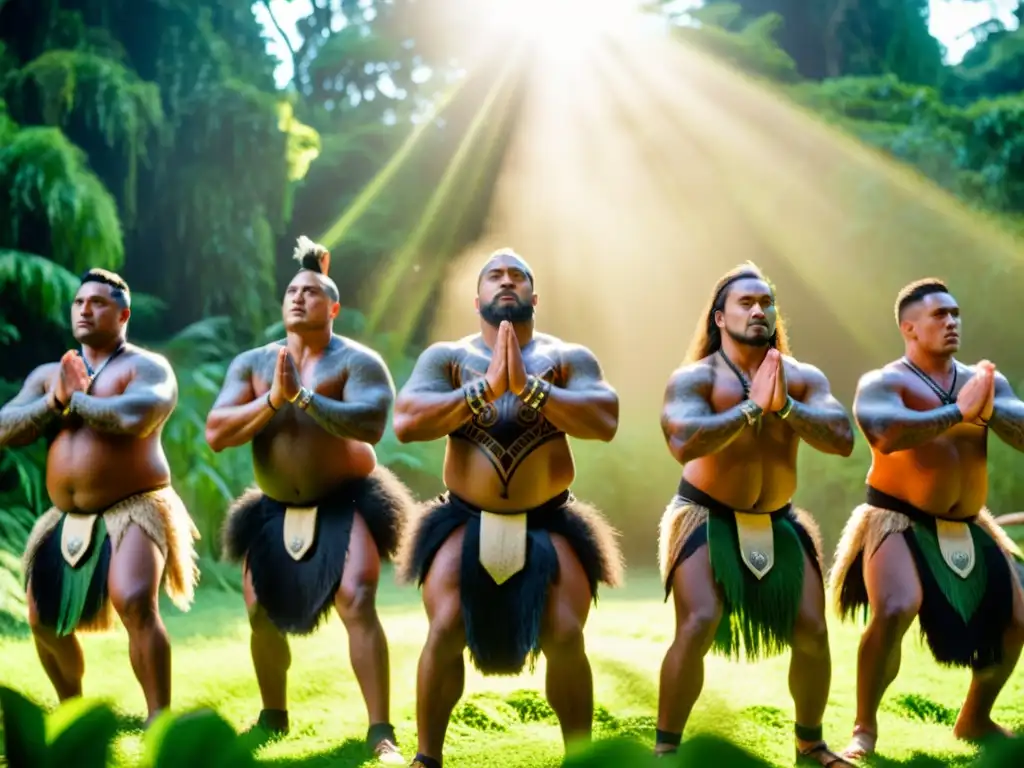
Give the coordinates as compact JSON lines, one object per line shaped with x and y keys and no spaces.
{"x":923,"y":545}
{"x":117,"y":529}
{"x":743,"y":564}
{"x":312,"y":535}
{"x":508,"y":559}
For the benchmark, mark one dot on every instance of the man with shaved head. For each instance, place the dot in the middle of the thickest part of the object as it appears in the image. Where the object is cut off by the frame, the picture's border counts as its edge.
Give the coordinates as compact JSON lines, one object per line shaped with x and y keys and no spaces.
{"x":508,"y":559}
{"x":311,"y":537}
{"x":923,"y":544}
{"x":744,"y":565}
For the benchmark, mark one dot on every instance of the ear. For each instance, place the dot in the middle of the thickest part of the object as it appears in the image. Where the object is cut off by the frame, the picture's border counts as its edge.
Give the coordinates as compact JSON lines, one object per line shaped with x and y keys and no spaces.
{"x":335,"y":309}
{"x":476,"y":303}
{"x":719,"y":318}
{"x":907,"y":329}
{"x":125,"y":314}
{"x":534,"y":300}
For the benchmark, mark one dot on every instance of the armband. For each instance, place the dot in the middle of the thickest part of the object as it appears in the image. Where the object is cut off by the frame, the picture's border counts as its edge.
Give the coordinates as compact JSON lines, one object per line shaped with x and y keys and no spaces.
{"x":536,"y":393}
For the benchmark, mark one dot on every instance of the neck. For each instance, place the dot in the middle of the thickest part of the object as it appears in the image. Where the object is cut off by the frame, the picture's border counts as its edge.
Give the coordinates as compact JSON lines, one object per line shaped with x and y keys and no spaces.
{"x":746,"y":357}
{"x":308,"y":343}
{"x":524,"y":333}
{"x":933,"y":364}
{"x":95,"y":354}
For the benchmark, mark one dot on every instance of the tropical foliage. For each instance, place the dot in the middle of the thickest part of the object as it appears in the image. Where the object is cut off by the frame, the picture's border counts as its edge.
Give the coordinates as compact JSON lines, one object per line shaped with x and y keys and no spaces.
{"x":152,"y":138}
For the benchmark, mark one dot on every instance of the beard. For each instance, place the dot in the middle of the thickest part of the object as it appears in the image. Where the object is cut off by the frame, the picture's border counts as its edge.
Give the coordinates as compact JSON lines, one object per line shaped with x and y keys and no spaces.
{"x":759,"y":340}
{"x":495,"y":312}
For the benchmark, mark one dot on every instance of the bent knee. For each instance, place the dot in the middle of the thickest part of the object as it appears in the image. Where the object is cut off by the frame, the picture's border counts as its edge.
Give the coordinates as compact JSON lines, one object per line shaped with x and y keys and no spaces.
{"x":810,"y":636}
{"x":897,"y":612}
{"x":563,"y":636}
{"x":137,"y":607}
{"x":700,"y":624}
{"x":447,"y":632}
{"x":357,"y":602}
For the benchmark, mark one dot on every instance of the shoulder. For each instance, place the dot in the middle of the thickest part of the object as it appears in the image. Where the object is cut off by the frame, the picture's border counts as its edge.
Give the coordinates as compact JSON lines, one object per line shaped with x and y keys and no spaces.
{"x":691,"y":378}
{"x":147,"y":362}
{"x":42,"y":373}
{"x":251,"y":360}
{"x":808,"y":373}
{"x":447,"y":352}
{"x":355,"y":353}
{"x":568,"y":352}
{"x":888,"y":378}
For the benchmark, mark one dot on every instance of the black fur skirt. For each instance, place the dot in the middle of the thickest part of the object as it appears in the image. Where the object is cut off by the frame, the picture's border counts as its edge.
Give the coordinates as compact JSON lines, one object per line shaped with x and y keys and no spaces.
{"x":298,"y":595}
{"x":503,"y":622}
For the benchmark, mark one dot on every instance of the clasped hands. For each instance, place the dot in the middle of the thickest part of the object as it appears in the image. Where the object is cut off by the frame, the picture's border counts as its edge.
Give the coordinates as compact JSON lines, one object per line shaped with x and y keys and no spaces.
{"x":976,"y":399}
{"x":768,"y":388}
{"x":287,"y":384}
{"x":71,"y":376}
{"x":507,"y":371}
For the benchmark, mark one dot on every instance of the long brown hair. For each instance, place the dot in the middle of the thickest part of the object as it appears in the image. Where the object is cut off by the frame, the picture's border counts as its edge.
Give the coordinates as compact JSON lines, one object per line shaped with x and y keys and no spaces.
{"x":707,"y":337}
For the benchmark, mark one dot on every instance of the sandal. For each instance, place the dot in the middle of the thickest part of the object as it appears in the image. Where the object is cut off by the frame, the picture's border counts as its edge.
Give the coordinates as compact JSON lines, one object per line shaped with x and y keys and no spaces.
{"x":821,"y":755}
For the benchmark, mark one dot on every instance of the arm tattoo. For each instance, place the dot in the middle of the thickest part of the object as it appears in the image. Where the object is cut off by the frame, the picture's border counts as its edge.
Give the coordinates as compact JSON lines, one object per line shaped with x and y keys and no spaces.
{"x":362,"y":413}
{"x":587,"y":407}
{"x":145,"y":404}
{"x":889,"y":425}
{"x":821,"y":421}
{"x":691,"y":428}
{"x":25,"y":418}
{"x":1007,"y":414}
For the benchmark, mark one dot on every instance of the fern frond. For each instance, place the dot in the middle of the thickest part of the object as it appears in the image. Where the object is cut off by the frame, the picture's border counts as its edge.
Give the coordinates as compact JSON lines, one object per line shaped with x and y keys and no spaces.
{"x":43,"y":288}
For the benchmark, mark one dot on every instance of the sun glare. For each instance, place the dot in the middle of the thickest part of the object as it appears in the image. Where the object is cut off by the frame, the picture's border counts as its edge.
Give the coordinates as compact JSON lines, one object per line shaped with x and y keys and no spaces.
{"x":561,"y":27}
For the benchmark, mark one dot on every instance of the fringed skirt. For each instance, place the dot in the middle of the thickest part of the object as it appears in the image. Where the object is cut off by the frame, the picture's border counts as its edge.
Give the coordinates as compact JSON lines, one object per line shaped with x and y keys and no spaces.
{"x":296,"y":555}
{"x":758,"y":614}
{"x":963,"y":617}
{"x":503,"y":621}
{"x":67,"y":558}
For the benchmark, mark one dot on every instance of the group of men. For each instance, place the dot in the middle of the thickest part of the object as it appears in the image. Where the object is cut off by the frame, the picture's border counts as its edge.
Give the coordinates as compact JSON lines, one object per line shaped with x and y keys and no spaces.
{"x":508,"y":559}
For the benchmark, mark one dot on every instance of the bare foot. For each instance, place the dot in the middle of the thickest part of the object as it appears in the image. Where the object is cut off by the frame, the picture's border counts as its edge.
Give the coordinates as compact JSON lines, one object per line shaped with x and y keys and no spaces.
{"x":861,"y":745}
{"x":977,"y":731}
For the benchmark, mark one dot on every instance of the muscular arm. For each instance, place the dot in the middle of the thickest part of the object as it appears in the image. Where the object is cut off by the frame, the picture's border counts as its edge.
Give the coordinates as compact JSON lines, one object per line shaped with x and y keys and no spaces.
{"x":587,"y":407}
{"x":144,"y":405}
{"x":24,"y":419}
{"x":429,"y":407}
{"x":237,"y":415}
{"x":1007,"y":414}
{"x":888,"y":424}
{"x":819,"y":419}
{"x":691,"y":428}
{"x":362,"y":413}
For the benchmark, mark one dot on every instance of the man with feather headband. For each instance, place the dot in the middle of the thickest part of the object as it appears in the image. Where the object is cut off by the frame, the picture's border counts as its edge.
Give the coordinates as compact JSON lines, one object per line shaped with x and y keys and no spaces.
{"x":311,"y":537}
{"x":743,"y":563}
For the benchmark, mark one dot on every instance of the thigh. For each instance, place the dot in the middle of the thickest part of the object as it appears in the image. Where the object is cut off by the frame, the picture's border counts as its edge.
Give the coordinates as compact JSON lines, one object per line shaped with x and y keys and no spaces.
{"x":694,"y":593}
{"x":569,"y":597}
{"x":136,"y":568}
{"x":890,"y":575}
{"x":441,"y":596}
{"x":361,"y":573}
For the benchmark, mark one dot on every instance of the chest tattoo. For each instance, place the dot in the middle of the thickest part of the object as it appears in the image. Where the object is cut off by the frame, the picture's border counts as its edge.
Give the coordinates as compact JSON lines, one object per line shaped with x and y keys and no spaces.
{"x":506,"y":431}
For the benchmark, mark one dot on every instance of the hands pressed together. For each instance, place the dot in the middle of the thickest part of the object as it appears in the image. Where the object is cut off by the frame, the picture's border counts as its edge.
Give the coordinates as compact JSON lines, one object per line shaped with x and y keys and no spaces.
{"x":977,"y":397}
{"x":287,"y":383}
{"x":70,"y":377}
{"x":768,"y":390}
{"x":507,"y":371}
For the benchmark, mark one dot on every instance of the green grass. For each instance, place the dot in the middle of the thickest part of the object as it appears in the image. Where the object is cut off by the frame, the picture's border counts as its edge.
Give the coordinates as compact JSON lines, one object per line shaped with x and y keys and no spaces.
{"x":504,"y":718}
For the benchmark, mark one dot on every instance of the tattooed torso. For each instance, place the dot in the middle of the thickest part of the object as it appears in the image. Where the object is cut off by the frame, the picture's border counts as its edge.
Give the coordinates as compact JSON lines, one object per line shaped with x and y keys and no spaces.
{"x":757,"y":469}
{"x":945,"y":472}
{"x":299,"y":456}
{"x":509,"y":456}
{"x":92,"y":461}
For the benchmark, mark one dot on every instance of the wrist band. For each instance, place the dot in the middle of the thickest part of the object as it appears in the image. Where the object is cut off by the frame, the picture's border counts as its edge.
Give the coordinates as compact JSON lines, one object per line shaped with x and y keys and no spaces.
{"x":475,"y":393}
{"x":270,"y":403}
{"x":785,"y":410}
{"x":57,"y":406}
{"x":752,"y":411}
{"x":536,"y":393}
{"x":305,"y":397}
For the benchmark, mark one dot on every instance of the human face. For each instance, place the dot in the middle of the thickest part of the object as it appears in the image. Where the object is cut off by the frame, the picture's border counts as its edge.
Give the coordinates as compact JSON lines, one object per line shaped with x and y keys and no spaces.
{"x":307,"y":306}
{"x":749,"y":314}
{"x":97,"y":318}
{"x":505,"y":292}
{"x":933,"y":324}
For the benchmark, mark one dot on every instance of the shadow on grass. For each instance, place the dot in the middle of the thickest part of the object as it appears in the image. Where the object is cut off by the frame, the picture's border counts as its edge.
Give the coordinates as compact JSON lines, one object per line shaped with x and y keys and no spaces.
{"x":351,"y":753}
